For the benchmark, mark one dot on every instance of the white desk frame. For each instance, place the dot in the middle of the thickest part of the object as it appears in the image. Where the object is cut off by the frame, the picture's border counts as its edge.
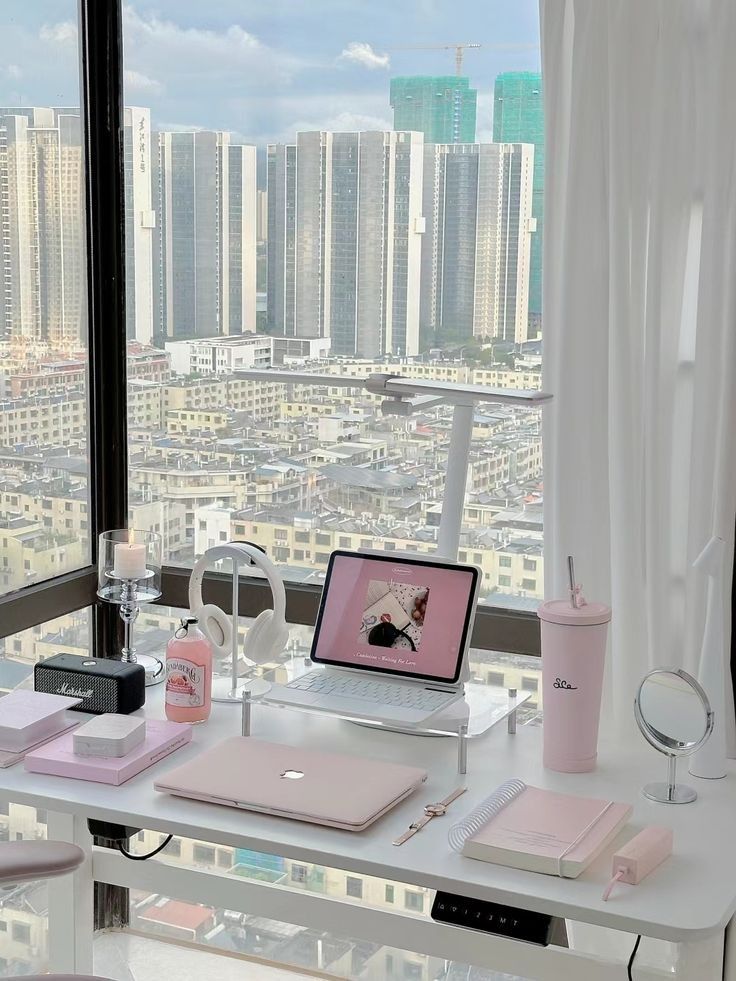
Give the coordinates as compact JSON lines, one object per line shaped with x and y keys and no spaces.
{"x":689,"y":902}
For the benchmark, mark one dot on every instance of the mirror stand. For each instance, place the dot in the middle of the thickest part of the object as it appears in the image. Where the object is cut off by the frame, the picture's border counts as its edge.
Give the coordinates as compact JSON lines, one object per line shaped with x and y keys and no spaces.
{"x":674,"y":716}
{"x":670,"y":792}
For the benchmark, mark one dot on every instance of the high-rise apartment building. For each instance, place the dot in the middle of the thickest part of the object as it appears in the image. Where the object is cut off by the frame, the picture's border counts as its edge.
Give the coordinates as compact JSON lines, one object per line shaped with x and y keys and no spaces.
{"x":204,"y":253}
{"x":476,"y":246}
{"x":443,"y":107}
{"x":140,"y":222}
{"x":344,"y":240}
{"x":518,"y":117}
{"x":42,"y":262}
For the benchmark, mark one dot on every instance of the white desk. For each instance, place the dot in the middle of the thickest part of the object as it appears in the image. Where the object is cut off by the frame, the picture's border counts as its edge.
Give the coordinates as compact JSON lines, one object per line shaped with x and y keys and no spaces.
{"x":689,"y":901}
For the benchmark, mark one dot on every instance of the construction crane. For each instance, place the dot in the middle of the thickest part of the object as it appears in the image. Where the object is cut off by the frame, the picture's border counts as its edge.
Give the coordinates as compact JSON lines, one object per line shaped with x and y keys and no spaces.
{"x":458,"y":47}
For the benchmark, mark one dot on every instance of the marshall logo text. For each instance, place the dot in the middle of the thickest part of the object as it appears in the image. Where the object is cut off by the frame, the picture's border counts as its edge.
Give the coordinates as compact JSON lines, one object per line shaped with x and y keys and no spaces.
{"x":66,"y":689}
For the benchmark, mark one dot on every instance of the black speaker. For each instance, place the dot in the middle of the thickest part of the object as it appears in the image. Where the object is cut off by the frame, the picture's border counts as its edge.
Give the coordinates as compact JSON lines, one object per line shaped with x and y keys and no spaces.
{"x":104,"y":685}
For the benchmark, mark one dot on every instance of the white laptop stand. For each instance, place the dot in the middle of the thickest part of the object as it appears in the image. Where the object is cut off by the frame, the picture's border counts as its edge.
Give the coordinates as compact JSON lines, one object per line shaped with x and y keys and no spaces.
{"x":495,"y":705}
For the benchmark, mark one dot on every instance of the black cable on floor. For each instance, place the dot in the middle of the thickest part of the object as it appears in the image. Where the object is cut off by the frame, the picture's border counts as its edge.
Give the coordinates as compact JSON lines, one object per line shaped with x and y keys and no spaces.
{"x":142,"y":858}
{"x":633,"y":955}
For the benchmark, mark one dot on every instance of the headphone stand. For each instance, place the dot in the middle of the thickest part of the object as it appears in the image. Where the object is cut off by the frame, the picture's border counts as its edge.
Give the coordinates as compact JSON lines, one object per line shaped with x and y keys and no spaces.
{"x":237,"y":685}
{"x":223,"y":692}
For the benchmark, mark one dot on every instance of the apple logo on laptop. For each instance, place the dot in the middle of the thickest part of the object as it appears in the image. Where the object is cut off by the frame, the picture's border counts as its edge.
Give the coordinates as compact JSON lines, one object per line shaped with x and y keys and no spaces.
{"x":292,"y":774}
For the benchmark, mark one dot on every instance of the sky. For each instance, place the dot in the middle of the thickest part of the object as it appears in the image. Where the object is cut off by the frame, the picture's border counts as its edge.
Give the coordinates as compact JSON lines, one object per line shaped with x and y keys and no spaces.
{"x":265,"y":69}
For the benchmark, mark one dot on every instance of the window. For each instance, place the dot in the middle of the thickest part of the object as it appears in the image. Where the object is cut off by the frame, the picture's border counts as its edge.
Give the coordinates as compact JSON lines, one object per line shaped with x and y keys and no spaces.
{"x":504,"y":561}
{"x":530,"y":565}
{"x":299,"y":873}
{"x":529,"y":684}
{"x":20,"y":932}
{"x":202,"y":169}
{"x":173,"y":848}
{"x":389,"y":893}
{"x":203,"y":854}
{"x":205,"y":450}
{"x":414,"y":901}
{"x":224,"y":858}
{"x":495,"y":678}
{"x":354,"y":887}
{"x":530,"y":584}
{"x":41,"y":816}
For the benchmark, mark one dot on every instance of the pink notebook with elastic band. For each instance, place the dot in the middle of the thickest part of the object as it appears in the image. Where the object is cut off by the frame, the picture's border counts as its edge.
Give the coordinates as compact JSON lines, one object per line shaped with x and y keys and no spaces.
{"x":539,"y":830}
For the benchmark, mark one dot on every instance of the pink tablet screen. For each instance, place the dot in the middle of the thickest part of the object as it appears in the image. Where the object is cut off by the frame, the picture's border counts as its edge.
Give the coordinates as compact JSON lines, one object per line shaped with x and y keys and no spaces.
{"x":395,"y":615}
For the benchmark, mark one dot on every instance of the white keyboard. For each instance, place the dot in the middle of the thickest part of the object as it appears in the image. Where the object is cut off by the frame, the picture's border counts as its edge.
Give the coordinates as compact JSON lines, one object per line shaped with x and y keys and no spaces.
{"x":377,"y":692}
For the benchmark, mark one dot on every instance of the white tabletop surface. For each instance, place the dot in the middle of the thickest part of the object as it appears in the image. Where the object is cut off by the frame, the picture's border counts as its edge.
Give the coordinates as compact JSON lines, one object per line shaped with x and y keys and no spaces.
{"x":663,"y":905}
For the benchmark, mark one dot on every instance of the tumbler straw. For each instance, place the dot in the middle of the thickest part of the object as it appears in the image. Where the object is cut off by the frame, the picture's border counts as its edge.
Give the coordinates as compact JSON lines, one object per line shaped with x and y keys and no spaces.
{"x":573,"y":585}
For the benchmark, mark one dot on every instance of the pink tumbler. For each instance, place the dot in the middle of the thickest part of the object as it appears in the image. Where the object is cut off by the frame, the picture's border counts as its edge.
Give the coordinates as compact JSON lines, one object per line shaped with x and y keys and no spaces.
{"x":573,"y":658}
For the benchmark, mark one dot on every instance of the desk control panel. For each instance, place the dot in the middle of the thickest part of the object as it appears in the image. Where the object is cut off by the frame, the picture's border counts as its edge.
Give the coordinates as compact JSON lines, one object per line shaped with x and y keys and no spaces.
{"x":504,"y":921}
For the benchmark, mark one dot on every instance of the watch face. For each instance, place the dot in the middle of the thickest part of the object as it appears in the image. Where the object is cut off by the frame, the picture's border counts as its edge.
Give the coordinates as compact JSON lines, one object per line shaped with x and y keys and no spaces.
{"x":435,"y":810}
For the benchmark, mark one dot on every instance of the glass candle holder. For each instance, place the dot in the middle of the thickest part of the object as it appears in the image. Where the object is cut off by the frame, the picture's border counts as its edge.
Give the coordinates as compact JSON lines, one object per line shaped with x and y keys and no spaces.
{"x":128,"y":574}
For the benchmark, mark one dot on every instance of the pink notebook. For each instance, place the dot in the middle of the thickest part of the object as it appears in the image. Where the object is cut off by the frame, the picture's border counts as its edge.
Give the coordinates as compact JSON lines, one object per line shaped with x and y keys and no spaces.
{"x":57,"y":757}
{"x":539,"y":830}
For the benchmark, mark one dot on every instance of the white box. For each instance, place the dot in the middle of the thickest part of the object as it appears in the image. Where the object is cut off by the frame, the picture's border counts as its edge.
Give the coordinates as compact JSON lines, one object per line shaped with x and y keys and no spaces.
{"x":109,"y":735}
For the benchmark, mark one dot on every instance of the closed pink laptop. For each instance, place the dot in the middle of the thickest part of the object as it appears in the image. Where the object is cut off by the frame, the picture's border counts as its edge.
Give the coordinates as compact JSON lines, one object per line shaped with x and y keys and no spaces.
{"x":340,"y":791}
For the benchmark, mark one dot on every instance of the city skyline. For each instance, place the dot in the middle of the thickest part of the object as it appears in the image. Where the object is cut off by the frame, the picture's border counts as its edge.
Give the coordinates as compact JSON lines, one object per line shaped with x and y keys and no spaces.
{"x":213,"y":454}
{"x":265,"y":71}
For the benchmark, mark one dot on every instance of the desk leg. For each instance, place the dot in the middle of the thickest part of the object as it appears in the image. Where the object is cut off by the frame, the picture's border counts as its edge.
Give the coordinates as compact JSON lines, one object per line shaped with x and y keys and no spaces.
{"x":729,"y":953}
{"x":71,"y":901}
{"x":702,"y":959}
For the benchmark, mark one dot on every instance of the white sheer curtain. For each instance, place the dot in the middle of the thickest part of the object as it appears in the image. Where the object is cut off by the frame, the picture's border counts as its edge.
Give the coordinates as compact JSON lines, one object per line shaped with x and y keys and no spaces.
{"x":640,"y":315}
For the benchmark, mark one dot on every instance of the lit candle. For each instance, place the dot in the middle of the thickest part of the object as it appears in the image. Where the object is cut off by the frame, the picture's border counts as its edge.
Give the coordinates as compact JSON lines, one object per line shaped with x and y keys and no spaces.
{"x":130,"y":560}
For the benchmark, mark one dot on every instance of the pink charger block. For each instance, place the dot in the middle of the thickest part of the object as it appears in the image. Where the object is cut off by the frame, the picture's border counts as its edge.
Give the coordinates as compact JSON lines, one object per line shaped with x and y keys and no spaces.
{"x":640,"y":856}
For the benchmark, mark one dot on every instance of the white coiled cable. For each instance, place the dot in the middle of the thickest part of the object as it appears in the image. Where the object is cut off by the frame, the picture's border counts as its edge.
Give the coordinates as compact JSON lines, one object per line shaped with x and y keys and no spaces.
{"x":480,"y":816}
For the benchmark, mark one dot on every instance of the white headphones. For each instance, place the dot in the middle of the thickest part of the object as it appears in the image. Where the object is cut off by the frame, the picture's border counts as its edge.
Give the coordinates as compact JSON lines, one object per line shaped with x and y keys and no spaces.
{"x":269,"y":634}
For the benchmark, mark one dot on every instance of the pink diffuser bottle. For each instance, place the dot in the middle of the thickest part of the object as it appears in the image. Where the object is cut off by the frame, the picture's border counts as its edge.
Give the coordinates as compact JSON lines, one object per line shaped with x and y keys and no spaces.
{"x":188,"y":674}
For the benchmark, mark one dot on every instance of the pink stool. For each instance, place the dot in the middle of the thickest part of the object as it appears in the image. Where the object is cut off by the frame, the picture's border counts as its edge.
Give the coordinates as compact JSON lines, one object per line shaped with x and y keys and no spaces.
{"x":23,"y":861}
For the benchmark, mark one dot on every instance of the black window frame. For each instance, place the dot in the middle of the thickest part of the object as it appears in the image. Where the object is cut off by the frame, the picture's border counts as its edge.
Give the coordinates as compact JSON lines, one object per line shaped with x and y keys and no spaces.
{"x":101,"y":72}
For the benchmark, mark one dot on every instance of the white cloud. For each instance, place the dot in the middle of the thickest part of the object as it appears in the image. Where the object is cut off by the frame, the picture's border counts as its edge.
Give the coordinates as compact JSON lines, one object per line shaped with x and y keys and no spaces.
{"x":156,"y":47}
{"x":138,"y":82}
{"x":361,"y":53}
{"x":62,"y":33}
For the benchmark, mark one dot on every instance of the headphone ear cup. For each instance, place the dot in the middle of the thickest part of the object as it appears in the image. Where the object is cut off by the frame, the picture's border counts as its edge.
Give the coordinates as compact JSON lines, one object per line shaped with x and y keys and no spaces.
{"x":257,"y":641}
{"x":217,"y":628}
{"x":265,"y":638}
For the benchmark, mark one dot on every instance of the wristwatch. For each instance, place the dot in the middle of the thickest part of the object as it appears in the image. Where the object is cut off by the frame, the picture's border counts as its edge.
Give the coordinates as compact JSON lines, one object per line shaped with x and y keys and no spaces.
{"x":430,"y":811}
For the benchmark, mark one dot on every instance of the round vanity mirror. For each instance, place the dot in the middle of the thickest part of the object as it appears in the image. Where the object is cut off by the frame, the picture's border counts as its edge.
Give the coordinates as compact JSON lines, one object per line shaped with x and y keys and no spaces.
{"x":674,"y":715}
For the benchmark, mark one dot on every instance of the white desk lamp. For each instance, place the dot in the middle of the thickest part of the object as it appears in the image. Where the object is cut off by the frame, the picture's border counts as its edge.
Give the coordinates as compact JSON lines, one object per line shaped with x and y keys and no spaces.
{"x":407,"y":395}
